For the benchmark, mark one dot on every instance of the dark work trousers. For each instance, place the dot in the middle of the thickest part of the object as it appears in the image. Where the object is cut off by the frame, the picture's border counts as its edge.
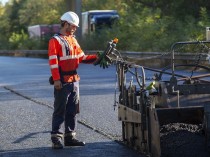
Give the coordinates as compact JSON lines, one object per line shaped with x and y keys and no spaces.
{"x":66,"y":106}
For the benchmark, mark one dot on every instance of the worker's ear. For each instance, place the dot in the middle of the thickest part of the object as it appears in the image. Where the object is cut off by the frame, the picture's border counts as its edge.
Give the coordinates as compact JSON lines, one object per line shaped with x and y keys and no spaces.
{"x":65,"y":24}
{"x":62,"y":23}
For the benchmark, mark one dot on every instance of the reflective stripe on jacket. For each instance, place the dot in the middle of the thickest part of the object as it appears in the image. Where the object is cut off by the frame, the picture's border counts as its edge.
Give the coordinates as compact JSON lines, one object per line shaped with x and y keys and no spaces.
{"x":65,"y":55}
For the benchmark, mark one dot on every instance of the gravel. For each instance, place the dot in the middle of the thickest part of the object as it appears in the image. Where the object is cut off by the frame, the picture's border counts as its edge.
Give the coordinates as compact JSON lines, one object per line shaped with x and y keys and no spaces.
{"x":183,"y":140}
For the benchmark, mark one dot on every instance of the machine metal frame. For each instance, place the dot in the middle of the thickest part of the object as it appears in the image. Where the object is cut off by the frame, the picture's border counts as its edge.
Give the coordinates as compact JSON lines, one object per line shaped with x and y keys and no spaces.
{"x":142,"y":111}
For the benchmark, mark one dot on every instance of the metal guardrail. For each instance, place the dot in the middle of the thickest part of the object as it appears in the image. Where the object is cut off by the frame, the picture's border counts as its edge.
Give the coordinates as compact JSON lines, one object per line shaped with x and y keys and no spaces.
{"x":158,"y":58}
{"x":25,"y":53}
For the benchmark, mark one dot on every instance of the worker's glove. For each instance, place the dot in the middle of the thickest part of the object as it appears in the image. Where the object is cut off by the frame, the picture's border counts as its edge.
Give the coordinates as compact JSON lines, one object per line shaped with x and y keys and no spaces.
{"x":103,"y":60}
{"x":51,"y":80}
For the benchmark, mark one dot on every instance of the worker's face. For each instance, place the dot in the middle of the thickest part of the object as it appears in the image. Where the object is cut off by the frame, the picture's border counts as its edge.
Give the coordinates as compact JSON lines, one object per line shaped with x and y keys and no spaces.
{"x":70,"y":29}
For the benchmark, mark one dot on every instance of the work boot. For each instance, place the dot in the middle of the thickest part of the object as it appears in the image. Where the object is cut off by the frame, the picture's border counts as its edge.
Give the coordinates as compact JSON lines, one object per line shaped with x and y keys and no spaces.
{"x":57,"y":141}
{"x":70,"y":140}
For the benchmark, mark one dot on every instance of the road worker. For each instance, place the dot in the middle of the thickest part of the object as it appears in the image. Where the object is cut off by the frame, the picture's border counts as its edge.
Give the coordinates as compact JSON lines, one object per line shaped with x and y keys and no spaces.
{"x":65,"y":54}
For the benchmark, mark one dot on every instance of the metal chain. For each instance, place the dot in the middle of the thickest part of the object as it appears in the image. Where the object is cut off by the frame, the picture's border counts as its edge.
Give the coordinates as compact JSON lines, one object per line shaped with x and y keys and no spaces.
{"x":196,"y":65}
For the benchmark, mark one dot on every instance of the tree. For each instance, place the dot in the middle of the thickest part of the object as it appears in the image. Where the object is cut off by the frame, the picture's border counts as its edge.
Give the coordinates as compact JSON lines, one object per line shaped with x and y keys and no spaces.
{"x":19,"y":14}
{"x":144,"y":25}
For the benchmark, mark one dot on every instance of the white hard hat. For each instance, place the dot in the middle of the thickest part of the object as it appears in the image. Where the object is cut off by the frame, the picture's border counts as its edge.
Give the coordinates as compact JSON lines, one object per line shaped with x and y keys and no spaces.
{"x":71,"y":18}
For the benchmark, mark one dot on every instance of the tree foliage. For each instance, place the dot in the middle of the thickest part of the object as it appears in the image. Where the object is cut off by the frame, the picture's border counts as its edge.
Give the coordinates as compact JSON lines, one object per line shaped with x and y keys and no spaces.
{"x":144,"y":25}
{"x":153,"y":25}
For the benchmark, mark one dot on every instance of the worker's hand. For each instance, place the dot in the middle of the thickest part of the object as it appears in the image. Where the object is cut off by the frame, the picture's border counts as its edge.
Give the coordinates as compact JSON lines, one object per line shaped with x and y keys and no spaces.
{"x":103,"y":60}
{"x":57,"y":84}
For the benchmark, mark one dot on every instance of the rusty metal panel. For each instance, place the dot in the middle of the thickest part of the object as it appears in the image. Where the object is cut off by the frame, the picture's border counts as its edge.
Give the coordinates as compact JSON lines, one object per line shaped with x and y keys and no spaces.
{"x":154,"y":131}
{"x":189,"y":115}
{"x":128,"y":115}
{"x":207,"y":124}
{"x":133,"y":136}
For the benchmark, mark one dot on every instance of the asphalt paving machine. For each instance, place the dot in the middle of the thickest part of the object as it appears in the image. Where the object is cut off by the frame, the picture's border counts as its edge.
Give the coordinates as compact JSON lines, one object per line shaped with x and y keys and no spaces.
{"x":167,"y":96}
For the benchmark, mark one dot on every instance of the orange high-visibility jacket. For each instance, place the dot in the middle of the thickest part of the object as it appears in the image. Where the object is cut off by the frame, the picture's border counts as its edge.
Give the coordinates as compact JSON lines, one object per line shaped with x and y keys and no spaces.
{"x":65,"y":56}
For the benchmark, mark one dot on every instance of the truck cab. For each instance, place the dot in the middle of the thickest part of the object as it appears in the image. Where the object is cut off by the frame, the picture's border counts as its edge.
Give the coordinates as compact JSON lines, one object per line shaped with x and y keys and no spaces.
{"x":95,"y":20}
{"x":92,"y":21}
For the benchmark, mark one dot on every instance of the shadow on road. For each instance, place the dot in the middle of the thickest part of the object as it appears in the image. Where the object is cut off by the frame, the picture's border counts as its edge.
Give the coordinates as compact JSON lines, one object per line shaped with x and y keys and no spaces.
{"x":30,"y":135}
{"x":102,"y":149}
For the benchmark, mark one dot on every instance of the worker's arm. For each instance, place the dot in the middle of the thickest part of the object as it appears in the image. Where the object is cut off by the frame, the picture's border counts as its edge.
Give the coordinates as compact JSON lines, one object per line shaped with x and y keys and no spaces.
{"x":53,"y":49}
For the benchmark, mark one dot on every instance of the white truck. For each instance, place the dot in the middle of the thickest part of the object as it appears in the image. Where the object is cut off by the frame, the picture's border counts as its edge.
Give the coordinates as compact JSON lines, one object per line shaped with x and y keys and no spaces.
{"x":38,"y":31}
{"x":91,"y":21}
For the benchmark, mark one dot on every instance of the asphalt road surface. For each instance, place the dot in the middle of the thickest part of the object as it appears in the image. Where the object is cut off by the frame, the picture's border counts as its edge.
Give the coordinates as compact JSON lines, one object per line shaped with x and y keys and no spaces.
{"x":26,"y":106}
